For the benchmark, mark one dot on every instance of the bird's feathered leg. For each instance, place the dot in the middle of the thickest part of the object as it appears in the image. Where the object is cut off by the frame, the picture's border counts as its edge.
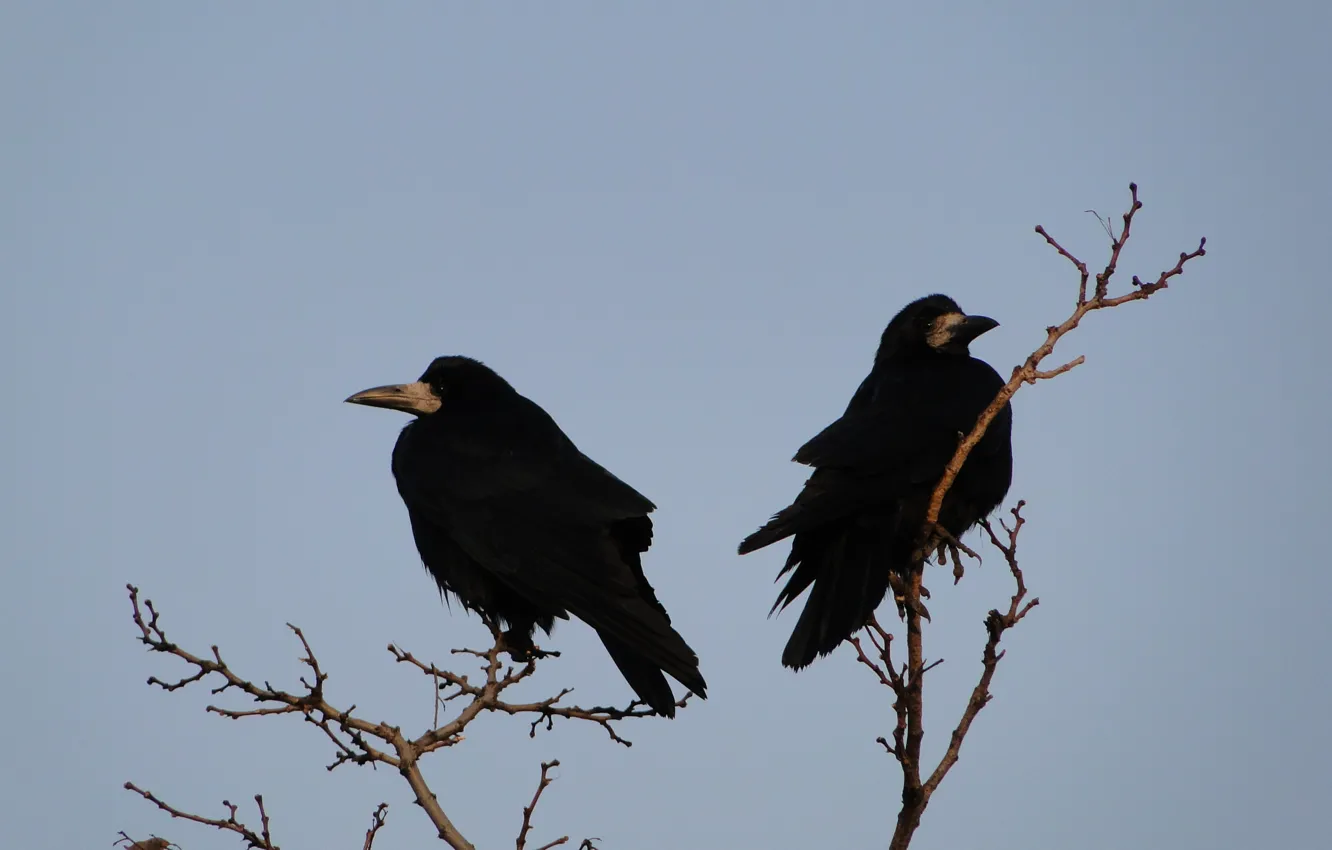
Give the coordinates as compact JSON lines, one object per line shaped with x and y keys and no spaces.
{"x":517,"y":641}
{"x":897,"y":582}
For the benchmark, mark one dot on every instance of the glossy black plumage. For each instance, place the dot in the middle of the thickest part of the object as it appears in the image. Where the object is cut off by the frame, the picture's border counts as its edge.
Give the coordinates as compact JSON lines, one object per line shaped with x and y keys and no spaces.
{"x":860,"y":514}
{"x":520,"y":526}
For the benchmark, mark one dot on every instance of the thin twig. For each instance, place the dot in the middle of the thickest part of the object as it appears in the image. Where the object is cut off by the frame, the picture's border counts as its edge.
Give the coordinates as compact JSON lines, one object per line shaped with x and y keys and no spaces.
{"x":153,"y":842}
{"x":261,"y":840}
{"x":546,"y":779}
{"x":360,"y":741}
{"x":376,"y":824}
{"x":908,"y":690}
{"x":1029,"y":371}
{"x":996,"y":624}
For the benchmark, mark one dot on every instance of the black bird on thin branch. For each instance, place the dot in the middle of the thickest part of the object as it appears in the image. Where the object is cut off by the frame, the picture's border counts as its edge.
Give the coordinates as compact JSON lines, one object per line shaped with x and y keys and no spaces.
{"x":522,"y":527}
{"x":859,"y":518}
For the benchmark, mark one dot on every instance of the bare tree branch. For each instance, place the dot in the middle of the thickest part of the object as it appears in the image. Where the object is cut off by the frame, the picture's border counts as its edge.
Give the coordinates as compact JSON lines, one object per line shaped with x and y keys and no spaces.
{"x":154,"y":842}
{"x":357,"y":740}
{"x":995,"y":624}
{"x":377,"y":821}
{"x":1029,"y":372}
{"x":261,"y":840}
{"x":546,"y":779}
{"x":907,"y":681}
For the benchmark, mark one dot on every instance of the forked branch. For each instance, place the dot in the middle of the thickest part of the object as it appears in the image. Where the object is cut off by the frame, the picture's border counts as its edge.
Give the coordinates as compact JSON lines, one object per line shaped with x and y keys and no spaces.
{"x":357,"y":740}
{"x":546,"y":779}
{"x":907,"y":680}
{"x":260,"y":840}
{"x":377,"y":821}
{"x":1030,"y":372}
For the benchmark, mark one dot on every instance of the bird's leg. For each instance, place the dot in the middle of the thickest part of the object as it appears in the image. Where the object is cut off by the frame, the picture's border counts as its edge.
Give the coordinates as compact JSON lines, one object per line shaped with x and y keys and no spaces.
{"x":941,"y":542}
{"x":517,"y":641}
{"x":899,"y":593}
{"x":898,"y":583}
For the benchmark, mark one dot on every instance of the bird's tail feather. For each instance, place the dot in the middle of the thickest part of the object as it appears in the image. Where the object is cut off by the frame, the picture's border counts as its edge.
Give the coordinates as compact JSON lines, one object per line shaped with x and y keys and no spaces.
{"x":814,"y":508}
{"x":849,"y":570}
{"x":666,"y":649}
{"x":765,"y":536}
{"x":643,"y":676}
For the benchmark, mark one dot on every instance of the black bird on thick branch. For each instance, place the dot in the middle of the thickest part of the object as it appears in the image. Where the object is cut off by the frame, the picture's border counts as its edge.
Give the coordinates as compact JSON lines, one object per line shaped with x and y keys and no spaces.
{"x":522,"y":527}
{"x":859,"y":518}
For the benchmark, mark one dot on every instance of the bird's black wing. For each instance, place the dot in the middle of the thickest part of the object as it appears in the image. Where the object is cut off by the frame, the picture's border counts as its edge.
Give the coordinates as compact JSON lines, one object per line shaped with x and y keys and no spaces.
{"x":899,"y":431}
{"x":560,"y":530}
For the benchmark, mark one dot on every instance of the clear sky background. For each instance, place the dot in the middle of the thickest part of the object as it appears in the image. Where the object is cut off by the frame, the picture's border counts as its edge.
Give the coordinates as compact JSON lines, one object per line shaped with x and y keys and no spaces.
{"x":680,"y":228}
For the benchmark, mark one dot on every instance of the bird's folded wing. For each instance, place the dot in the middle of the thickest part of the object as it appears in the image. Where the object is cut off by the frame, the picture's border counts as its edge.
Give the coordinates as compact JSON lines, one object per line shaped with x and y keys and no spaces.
{"x":895,"y":437}
{"x":908,"y":427}
{"x":577,"y":568}
{"x":538,"y":516}
{"x":519,"y":452}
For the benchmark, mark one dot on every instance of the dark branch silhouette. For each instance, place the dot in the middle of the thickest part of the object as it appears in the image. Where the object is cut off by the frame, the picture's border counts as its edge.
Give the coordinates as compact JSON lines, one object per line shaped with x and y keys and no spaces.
{"x":462,"y":698}
{"x":261,"y":840}
{"x":357,"y":740}
{"x":907,"y":681}
{"x":377,"y":821}
{"x":546,"y":779}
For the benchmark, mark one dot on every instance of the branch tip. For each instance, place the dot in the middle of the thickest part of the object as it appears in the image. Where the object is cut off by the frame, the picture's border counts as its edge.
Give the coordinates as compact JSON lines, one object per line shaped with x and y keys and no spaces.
{"x":907,"y":685}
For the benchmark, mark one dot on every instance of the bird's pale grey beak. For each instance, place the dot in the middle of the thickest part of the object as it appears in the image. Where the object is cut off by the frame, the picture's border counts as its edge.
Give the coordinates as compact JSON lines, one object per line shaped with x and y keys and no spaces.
{"x":972,"y":327}
{"x":417,"y":398}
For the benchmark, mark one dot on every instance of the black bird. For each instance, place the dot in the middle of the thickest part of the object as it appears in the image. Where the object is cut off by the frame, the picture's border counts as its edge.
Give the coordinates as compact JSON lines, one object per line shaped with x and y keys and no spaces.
{"x":861,"y":513}
{"x":521,"y":527}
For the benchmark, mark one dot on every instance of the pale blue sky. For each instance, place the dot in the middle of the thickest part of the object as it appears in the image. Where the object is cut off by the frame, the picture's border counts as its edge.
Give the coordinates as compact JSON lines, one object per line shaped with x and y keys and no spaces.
{"x":680,"y":228}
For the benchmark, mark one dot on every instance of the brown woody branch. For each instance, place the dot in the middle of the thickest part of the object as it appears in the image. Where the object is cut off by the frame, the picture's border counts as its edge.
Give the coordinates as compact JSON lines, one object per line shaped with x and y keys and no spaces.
{"x":546,"y":779}
{"x":261,"y":840}
{"x":1029,"y":372}
{"x":907,"y":683}
{"x":153,"y":842}
{"x":377,"y":821}
{"x":357,"y":740}
{"x":996,"y":624}
{"x":485,"y":697}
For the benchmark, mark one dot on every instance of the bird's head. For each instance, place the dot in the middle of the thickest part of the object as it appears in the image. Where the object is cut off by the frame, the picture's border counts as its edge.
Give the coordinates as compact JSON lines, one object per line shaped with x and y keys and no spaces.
{"x":453,"y":380}
{"x":932,"y":324}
